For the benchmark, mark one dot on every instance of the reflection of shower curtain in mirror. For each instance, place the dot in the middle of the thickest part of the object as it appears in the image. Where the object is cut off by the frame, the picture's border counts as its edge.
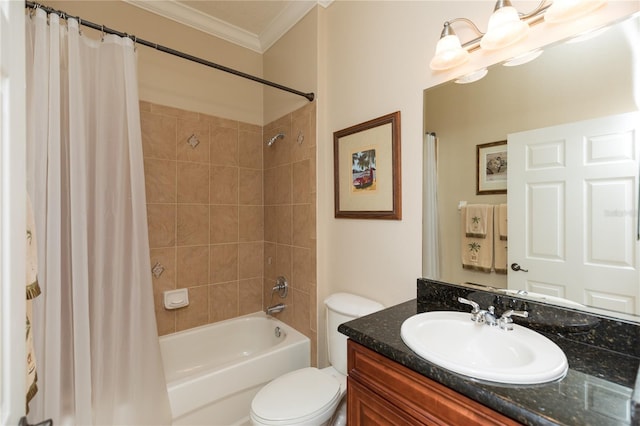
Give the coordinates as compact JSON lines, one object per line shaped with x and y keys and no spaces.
{"x":430,"y":225}
{"x":94,"y":324}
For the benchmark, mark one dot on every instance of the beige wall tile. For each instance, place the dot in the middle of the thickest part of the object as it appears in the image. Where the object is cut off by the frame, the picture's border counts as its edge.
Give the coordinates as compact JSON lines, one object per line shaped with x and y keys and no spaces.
{"x":270,"y":261}
{"x":223,"y":263}
{"x":250,"y":296}
{"x":193,"y":266}
{"x":250,"y":260}
{"x":165,"y":319}
{"x":301,"y":311}
{"x":158,"y":135}
{"x":301,"y":129}
{"x":271,"y":223}
{"x":192,"y":224}
{"x":302,"y":225}
{"x":251,"y":223}
{"x":161,"y":220}
{"x":301,"y":182}
{"x":160,"y":180}
{"x":283,"y":261}
{"x":193,"y":183}
{"x":301,"y":275}
{"x":224,"y":146}
{"x":223,"y":301}
{"x":220,"y":122}
{"x":197,"y":313}
{"x":269,"y":187}
{"x":250,"y":149}
{"x":144,"y":106}
{"x":248,"y":127}
{"x":285,"y":224}
{"x":283,"y":184}
{"x":250,"y":187}
{"x":224,"y":224}
{"x":200,"y":130}
{"x":223,"y":185}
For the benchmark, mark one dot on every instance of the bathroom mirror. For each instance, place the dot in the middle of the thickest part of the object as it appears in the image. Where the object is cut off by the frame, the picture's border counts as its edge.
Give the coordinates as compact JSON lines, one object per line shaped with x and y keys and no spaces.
{"x":569,"y":82}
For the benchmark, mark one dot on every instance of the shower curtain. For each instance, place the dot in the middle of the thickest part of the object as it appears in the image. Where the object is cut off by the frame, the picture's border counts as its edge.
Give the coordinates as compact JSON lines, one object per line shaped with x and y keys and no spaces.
{"x":430,"y":221}
{"x":94,"y":325}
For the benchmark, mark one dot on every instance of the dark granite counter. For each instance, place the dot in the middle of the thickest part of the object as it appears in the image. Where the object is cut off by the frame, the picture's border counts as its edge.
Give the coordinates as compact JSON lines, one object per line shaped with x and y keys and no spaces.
{"x":603,"y":355}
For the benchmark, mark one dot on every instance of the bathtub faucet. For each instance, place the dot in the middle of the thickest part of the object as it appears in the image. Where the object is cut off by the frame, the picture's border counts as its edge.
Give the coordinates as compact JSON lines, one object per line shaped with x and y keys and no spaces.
{"x":275,"y":309}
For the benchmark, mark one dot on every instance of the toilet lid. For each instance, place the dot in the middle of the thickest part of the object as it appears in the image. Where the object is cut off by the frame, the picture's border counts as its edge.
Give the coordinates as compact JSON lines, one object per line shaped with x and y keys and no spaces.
{"x":301,"y":394}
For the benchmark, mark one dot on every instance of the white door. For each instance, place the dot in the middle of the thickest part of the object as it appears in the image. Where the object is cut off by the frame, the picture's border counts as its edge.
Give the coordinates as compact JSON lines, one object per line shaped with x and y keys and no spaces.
{"x":12,"y":212}
{"x":573,"y":212}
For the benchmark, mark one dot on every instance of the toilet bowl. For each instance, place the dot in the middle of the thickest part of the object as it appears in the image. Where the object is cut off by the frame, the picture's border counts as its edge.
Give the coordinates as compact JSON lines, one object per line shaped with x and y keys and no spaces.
{"x":312,"y":396}
{"x":308,"y":396}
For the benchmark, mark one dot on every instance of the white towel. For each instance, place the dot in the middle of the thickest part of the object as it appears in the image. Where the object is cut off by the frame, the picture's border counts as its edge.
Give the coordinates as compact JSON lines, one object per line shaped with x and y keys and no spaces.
{"x":502,"y":225}
{"x":500,"y":246}
{"x":477,"y":253}
{"x":478,"y":220}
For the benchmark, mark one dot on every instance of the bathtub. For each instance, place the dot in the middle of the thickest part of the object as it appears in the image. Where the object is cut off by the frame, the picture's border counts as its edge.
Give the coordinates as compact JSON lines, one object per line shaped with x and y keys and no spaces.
{"x":214,"y":371}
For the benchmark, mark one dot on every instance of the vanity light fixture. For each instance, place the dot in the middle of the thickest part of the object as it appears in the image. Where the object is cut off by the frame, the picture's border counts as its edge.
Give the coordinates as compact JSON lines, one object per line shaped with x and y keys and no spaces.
{"x":472,"y":76}
{"x":506,"y":26}
{"x":523,"y":58}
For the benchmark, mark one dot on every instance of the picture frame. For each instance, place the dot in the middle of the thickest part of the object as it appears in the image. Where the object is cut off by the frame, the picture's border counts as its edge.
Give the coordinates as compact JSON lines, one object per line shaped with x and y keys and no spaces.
{"x":367,"y":173}
{"x":491,"y":168}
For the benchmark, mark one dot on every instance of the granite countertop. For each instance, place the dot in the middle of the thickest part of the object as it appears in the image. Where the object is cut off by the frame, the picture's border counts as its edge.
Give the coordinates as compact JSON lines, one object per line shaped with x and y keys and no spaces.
{"x":597,"y":389}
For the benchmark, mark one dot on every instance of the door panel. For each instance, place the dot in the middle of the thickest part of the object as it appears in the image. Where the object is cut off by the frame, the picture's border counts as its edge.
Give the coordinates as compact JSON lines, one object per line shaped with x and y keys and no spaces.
{"x":573,"y":197}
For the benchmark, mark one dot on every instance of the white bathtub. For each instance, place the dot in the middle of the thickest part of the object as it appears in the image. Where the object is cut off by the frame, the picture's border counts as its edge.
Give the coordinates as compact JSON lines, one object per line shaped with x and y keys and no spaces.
{"x":214,"y":371}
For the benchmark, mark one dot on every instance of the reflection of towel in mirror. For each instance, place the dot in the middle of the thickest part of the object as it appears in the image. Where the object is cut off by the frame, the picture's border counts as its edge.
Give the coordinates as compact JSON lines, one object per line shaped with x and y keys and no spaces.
{"x":478,"y":220}
{"x":477,"y":253}
{"x":499,"y":245}
{"x":502,"y":222}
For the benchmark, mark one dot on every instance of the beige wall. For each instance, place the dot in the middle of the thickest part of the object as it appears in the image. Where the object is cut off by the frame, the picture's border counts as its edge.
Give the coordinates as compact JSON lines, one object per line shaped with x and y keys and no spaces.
{"x":169,"y":80}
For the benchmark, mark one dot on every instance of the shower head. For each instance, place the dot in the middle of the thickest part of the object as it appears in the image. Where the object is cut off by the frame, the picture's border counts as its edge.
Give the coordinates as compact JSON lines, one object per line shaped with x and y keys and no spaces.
{"x":274,"y":138}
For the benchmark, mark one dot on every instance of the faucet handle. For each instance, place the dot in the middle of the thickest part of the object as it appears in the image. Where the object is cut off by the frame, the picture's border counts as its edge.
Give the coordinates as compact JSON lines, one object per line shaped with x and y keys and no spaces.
{"x":506,"y":323}
{"x":476,"y":314}
{"x":474,"y":305}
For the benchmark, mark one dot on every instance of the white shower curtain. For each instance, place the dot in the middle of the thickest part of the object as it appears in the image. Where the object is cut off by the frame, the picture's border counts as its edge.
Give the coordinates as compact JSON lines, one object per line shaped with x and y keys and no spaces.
{"x":430,"y":221}
{"x":98,"y":357}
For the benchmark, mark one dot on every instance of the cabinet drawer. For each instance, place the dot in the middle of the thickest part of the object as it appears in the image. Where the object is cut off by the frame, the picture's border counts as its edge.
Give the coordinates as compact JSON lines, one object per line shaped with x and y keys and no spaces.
{"x":421,"y":398}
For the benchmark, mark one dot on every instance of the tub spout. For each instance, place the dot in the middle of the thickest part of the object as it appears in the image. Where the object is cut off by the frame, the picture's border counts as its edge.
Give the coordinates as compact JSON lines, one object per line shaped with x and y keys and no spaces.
{"x":275,"y":309}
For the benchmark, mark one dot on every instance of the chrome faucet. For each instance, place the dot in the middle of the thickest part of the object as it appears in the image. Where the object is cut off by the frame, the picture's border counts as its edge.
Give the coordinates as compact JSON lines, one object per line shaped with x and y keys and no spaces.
{"x":276,"y":309}
{"x":506,"y":323}
{"x":488,"y":316}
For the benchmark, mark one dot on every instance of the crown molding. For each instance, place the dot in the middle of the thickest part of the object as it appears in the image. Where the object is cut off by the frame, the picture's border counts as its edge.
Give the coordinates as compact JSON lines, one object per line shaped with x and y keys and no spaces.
{"x":183,"y":14}
{"x":193,"y":18}
{"x":290,"y":16}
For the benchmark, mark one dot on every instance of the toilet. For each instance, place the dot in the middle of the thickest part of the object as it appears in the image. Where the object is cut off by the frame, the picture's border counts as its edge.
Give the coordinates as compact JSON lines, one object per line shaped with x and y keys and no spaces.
{"x":311,"y":396}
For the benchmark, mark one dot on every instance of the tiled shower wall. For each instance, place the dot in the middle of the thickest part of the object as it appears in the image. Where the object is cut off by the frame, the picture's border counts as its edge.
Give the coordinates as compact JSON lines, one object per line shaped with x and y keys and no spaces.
{"x":227,"y":215}
{"x":290,"y":218}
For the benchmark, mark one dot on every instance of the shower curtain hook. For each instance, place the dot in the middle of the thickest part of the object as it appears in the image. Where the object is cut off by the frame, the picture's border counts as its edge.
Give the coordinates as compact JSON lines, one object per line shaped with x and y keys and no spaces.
{"x":135,"y":43}
{"x":102,"y":30}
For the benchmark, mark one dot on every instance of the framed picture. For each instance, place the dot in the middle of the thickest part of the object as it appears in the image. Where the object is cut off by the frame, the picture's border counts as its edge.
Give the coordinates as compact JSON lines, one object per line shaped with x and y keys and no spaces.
{"x":367,"y":169}
{"x":491,"y":168}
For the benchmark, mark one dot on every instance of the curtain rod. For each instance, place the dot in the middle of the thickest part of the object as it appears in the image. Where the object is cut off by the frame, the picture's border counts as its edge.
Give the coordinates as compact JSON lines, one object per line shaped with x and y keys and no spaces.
{"x":136,"y":40}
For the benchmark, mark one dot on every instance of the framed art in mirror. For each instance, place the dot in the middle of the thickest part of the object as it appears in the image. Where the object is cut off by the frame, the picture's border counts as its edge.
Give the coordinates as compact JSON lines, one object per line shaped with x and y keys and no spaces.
{"x":491,"y":168}
{"x":367,"y":169}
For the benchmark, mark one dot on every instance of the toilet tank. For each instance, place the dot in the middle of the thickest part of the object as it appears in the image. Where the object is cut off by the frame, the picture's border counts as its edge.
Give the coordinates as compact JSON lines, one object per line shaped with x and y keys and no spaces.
{"x":343,"y":307}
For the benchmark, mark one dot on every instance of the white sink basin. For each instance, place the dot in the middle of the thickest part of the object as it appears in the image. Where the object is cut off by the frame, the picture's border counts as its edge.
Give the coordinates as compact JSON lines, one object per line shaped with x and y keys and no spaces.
{"x":452,"y":341}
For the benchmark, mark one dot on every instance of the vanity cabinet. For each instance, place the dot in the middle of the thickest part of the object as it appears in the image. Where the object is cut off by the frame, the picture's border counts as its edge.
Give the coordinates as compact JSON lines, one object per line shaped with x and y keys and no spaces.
{"x":383,"y":392}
